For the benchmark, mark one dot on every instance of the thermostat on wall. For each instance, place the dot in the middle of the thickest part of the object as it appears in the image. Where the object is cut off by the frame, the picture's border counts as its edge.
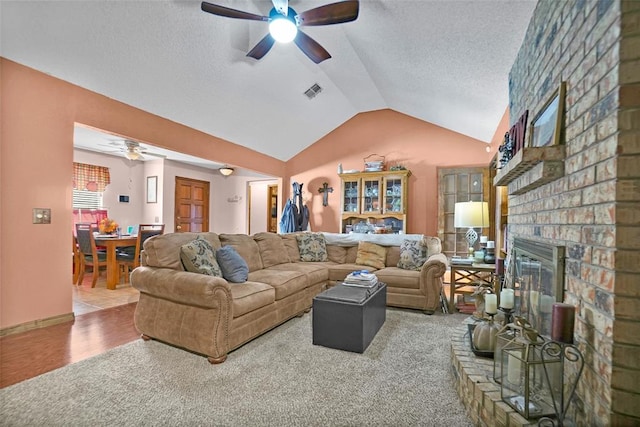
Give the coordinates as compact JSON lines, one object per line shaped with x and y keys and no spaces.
{"x":124,"y":199}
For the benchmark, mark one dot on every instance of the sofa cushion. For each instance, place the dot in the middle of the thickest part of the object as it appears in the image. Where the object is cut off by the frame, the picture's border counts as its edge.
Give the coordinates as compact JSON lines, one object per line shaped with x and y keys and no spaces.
{"x":272,"y":249}
{"x":198,"y":256}
{"x":316,"y":272}
{"x":312,"y":247}
{"x":250,"y":296}
{"x":352,"y":254}
{"x":406,"y":279}
{"x":337,"y":253}
{"x":233,"y":266}
{"x":164,"y":250}
{"x":291,"y":243}
{"x":393,"y":255}
{"x":371,"y":255}
{"x":246,"y":247}
{"x":284,"y":282}
{"x":413,"y":254}
{"x":338,"y":272}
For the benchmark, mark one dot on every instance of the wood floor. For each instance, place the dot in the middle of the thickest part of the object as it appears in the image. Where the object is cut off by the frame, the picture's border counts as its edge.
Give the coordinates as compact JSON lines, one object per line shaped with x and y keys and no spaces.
{"x":107,"y":322}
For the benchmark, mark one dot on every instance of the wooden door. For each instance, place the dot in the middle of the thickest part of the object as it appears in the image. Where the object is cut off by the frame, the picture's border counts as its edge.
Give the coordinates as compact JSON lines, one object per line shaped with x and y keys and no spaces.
{"x":192,"y":205}
{"x":460,"y":185}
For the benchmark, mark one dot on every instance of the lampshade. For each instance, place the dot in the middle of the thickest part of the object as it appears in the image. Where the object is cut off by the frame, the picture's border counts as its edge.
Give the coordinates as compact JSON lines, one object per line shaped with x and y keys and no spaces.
{"x":226,"y":171}
{"x":471,"y":214}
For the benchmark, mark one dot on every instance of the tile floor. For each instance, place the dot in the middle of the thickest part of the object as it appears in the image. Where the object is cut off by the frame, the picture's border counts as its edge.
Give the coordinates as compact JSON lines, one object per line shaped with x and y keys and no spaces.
{"x":87,"y":299}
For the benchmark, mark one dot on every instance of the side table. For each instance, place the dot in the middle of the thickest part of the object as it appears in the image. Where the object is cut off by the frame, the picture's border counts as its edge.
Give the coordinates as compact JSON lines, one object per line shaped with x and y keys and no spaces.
{"x":469,"y":275}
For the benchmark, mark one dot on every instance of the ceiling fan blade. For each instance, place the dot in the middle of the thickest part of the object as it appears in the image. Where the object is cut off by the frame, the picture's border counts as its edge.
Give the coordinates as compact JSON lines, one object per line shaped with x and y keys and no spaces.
{"x":334,"y":13}
{"x":231,"y":13}
{"x":262,"y":47}
{"x":282,"y":6}
{"x":311,"y":48}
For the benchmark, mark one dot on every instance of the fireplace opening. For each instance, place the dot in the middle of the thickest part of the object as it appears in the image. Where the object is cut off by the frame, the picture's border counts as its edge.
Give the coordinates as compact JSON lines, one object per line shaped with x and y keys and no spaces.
{"x":536,"y":273}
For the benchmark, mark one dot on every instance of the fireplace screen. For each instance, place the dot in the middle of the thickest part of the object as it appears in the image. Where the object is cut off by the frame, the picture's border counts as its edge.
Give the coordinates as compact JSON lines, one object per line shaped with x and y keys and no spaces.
{"x":537,"y":276}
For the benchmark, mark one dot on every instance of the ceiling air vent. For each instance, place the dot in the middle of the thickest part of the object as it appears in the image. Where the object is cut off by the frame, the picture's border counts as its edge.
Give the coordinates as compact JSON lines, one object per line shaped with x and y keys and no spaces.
{"x":313,"y":91}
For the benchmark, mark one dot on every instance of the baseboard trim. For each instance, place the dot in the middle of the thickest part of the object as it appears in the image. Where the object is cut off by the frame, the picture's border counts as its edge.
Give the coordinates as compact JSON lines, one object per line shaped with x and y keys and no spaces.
{"x":36,"y":324}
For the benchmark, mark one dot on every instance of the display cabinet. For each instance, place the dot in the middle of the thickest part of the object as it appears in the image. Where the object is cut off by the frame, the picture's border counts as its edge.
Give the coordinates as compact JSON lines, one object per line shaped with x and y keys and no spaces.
{"x":374,"y":201}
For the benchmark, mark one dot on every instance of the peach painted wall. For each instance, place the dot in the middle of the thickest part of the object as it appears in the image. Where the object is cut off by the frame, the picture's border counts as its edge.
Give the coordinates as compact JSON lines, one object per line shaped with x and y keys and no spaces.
{"x":418,"y":145}
{"x":38,"y":113}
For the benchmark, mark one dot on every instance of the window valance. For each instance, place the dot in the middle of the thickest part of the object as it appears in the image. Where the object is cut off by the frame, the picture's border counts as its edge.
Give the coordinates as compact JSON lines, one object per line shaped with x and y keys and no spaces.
{"x":90,"y":177}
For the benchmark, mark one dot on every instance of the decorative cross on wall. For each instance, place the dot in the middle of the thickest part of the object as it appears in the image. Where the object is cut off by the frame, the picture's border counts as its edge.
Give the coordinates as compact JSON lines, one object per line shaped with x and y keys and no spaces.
{"x":325,"y":190}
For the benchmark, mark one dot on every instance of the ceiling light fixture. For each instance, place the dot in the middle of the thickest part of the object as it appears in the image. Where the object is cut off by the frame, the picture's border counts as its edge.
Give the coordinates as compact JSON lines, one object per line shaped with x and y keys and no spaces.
{"x":226,"y":171}
{"x":132,"y":155}
{"x":283,"y":28}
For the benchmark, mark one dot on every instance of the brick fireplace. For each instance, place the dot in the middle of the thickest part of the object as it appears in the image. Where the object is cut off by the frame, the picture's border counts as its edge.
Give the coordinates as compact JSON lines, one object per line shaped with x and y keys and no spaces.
{"x":590,"y":203}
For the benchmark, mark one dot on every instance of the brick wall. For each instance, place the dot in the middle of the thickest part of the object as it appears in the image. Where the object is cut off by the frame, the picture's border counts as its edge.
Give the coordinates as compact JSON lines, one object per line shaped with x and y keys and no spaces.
{"x":594,"y":209}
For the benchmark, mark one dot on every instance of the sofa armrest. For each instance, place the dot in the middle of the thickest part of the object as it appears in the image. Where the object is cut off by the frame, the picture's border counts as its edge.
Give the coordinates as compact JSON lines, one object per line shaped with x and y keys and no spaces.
{"x":188,"y":310}
{"x":183,"y":287}
{"x":431,"y":275}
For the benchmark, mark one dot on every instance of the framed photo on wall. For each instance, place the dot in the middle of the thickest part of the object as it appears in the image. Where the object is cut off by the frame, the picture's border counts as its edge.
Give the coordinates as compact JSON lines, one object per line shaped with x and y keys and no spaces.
{"x":546,"y":127}
{"x":152,"y":189}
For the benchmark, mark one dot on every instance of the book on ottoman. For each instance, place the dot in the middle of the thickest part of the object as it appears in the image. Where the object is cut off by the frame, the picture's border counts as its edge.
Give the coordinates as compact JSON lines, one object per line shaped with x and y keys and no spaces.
{"x":361,"y":278}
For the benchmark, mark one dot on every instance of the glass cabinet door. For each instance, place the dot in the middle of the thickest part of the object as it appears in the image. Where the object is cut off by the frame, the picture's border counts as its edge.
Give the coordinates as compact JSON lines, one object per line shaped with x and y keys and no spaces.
{"x":393,"y":194}
{"x":371,"y":190}
{"x":350,"y":202}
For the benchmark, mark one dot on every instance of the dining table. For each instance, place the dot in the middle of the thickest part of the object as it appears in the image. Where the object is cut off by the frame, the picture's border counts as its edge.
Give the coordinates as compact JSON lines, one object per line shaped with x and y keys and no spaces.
{"x":111,"y":242}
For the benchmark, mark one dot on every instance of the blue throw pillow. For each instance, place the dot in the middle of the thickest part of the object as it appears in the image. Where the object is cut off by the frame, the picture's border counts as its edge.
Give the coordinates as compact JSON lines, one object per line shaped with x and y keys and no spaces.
{"x":234,"y":268}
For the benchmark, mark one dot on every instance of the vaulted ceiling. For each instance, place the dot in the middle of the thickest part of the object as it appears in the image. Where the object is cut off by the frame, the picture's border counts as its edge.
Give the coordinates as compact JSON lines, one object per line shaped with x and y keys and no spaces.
{"x":441,"y":61}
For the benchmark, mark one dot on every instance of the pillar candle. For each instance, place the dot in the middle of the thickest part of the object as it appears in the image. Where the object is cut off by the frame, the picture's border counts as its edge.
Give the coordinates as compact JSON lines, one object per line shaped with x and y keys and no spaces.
{"x":483,"y":239}
{"x":562,"y":322}
{"x":506,"y":298}
{"x":491,"y":244}
{"x":491,"y":303}
{"x":514,"y":370}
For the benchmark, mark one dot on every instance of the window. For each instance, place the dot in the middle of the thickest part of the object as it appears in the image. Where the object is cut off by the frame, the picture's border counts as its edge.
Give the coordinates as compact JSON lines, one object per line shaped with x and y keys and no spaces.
{"x":85,"y":199}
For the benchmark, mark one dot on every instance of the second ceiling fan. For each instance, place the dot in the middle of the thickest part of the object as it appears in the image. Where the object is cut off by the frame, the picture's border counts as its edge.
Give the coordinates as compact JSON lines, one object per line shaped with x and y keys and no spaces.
{"x":284,"y":23}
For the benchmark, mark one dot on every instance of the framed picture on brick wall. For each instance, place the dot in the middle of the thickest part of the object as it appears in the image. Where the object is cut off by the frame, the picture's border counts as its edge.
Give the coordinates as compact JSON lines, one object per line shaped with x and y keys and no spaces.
{"x":546,"y":127}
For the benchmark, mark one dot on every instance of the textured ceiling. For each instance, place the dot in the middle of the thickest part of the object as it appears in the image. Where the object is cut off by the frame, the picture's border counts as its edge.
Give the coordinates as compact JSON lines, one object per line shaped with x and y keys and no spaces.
{"x":442,"y":61}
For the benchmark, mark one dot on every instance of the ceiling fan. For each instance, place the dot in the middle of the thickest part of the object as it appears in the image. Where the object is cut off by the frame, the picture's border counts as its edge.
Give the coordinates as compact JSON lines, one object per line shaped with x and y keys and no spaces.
{"x":132,"y":150}
{"x":284,"y":23}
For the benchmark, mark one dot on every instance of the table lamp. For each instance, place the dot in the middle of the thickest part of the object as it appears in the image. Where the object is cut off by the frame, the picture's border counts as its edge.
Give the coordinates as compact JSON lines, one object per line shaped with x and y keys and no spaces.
{"x":471,"y":214}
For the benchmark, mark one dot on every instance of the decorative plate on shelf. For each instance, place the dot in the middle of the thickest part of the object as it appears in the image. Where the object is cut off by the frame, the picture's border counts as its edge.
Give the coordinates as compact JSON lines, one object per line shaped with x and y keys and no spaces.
{"x":351,"y":171}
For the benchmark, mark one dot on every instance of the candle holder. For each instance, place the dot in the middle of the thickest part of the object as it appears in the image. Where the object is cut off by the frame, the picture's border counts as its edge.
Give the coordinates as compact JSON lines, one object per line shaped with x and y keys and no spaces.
{"x":508,"y":315}
{"x":566,"y":353}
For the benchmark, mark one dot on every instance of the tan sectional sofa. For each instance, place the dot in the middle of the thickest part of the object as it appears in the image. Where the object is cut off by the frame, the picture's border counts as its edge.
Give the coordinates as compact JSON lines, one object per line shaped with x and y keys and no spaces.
{"x":211,"y":316}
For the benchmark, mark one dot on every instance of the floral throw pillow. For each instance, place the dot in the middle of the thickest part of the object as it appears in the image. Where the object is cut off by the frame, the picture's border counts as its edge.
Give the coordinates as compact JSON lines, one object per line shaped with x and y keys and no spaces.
{"x":198,"y":256}
{"x":412,"y":255}
{"x":371,"y":255}
{"x":312,"y":247}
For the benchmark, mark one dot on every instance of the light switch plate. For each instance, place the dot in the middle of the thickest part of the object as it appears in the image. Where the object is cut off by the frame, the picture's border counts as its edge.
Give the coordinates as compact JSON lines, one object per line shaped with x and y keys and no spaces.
{"x":41,"y":216}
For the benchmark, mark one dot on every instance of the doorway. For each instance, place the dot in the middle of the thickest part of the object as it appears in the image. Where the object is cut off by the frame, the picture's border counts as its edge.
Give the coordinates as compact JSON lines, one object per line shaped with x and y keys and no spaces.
{"x":191,"y":205}
{"x":272,"y":208}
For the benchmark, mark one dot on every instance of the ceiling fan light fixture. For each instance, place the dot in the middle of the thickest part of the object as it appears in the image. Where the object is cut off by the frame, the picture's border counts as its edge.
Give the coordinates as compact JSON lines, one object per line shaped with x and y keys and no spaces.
{"x":132,"y":155}
{"x":226,"y":171}
{"x":283,"y":29}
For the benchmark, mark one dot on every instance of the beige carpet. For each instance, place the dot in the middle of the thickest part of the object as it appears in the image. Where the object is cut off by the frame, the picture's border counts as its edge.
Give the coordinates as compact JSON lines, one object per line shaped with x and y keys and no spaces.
{"x":280,"y":379}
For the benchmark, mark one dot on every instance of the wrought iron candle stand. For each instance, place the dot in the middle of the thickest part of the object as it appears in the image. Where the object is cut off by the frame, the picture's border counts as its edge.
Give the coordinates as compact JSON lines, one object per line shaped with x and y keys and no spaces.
{"x":508,"y":315}
{"x":552,"y":350}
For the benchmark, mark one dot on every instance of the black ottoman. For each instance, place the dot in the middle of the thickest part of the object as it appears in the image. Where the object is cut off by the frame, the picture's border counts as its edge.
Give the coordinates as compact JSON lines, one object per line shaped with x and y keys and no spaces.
{"x":348,"y":317}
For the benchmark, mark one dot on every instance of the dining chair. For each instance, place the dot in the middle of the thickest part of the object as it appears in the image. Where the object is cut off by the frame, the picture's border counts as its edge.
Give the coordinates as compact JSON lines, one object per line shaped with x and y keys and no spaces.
{"x":129,"y":257}
{"x":90,"y":254}
{"x":77,"y":259}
